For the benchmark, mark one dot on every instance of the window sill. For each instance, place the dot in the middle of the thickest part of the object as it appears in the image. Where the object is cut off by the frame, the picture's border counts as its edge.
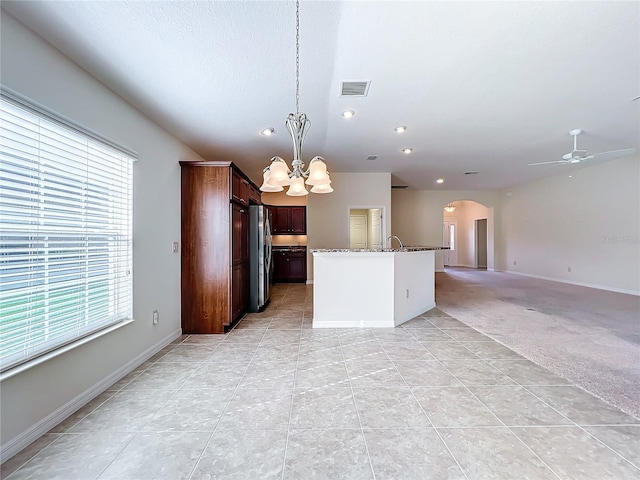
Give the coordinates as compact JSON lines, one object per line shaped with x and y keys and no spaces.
{"x":59,"y":351}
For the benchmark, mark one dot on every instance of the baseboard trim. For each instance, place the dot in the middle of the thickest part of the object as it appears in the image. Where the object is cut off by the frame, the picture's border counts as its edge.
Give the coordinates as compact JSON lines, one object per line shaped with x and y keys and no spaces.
{"x":416,"y":312}
{"x":580,"y":284}
{"x":19,"y":442}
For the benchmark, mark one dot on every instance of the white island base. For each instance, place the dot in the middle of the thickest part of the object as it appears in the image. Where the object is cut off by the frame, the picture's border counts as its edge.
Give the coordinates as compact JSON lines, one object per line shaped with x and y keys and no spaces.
{"x":371,"y":289}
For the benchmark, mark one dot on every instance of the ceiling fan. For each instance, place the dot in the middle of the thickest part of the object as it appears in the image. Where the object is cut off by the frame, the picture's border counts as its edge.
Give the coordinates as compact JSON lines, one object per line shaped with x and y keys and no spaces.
{"x":577,"y":156}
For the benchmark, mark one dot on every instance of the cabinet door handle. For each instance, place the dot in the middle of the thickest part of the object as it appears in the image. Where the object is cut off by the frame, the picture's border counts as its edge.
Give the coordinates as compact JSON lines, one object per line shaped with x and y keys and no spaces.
{"x":242,"y":210}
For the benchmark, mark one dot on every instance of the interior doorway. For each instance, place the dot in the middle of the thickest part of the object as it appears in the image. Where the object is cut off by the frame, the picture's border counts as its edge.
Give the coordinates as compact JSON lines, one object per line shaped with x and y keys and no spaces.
{"x":449,"y":239}
{"x":481,"y":238}
{"x":366,"y":227}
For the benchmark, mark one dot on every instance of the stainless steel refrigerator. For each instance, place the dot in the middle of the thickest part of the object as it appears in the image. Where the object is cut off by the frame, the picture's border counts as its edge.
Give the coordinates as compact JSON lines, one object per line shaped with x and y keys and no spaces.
{"x":260,"y":257}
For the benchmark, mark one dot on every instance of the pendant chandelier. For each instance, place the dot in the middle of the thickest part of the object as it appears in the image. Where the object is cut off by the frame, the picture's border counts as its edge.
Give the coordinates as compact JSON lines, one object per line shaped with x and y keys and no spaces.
{"x":449,"y":208}
{"x":278,"y":175}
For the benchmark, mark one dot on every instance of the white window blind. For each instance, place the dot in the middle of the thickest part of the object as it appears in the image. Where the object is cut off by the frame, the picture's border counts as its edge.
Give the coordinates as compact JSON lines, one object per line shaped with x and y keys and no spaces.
{"x":65,"y":233}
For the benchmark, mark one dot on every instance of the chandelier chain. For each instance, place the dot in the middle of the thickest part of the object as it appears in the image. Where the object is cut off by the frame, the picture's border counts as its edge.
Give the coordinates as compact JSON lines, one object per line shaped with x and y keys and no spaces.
{"x":297,"y":56}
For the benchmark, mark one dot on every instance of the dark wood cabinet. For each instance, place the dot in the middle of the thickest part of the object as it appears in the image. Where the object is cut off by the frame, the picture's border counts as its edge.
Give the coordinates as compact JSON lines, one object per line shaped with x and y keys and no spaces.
{"x":239,"y":188}
{"x":289,"y":220}
{"x":297,"y":267}
{"x":215,"y":245}
{"x":240,"y":289}
{"x":239,"y":234}
{"x":290,"y":266}
{"x":298,"y":220}
{"x":281,"y":220}
{"x":255,"y":197}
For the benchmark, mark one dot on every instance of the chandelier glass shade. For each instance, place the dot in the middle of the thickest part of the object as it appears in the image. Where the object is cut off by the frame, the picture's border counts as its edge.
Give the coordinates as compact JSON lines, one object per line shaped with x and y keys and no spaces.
{"x":278,"y":174}
{"x":449,"y":208}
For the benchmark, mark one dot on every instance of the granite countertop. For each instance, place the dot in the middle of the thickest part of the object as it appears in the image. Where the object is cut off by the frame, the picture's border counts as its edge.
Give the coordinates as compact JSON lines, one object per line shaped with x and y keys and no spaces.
{"x":289,"y":248}
{"x":383,"y":250}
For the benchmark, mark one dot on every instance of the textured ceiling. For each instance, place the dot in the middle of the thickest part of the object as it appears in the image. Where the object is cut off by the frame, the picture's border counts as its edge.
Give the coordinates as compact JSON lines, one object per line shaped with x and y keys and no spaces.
{"x":482,"y":86}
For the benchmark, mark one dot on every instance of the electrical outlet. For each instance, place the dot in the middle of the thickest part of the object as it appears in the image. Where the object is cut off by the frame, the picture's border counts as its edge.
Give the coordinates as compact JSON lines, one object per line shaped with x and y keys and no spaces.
{"x":175,"y":247}
{"x":569,"y":269}
{"x":407,"y":293}
{"x":156,"y":317}
{"x":515,"y":263}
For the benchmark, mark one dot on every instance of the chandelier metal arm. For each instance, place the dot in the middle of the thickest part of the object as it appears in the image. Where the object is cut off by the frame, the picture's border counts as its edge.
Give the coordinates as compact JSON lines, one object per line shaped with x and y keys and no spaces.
{"x":277,"y":175}
{"x":297,"y":123}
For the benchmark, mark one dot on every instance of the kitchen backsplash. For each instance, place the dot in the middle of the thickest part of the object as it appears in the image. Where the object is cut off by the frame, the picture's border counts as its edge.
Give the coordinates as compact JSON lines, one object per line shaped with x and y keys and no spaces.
{"x":289,"y":240}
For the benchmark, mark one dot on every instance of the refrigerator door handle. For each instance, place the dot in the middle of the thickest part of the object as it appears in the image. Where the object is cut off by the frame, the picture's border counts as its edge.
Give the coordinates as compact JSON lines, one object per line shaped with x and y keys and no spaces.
{"x":268,"y":246}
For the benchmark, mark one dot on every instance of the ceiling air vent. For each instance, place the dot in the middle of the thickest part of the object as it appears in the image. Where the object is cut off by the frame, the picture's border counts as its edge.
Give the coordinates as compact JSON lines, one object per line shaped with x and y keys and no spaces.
{"x":470,"y":173}
{"x":399,"y":186}
{"x":372,"y":157}
{"x":354,"y":89}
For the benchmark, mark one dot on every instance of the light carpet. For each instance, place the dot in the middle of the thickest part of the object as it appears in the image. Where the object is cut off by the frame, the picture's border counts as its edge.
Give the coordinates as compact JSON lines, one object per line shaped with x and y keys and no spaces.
{"x":588,"y":336}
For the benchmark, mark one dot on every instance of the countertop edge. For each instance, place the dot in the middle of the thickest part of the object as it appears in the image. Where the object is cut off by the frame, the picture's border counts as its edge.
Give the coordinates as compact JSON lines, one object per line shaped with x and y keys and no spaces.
{"x":376,"y":250}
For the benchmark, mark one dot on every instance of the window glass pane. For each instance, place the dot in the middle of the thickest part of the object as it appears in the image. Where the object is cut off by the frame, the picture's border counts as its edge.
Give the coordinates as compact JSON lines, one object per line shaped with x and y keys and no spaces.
{"x":65,"y":234}
{"x":452,"y":236}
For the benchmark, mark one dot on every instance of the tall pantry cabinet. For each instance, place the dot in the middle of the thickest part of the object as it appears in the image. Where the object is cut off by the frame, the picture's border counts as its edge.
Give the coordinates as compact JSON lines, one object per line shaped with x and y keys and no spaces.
{"x":215,"y":245}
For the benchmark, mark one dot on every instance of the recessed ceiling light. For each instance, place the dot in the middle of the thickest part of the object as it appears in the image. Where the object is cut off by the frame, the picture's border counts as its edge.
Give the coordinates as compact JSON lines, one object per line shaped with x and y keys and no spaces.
{"x":407,"y":150}
{"x":348,"y":114}
{"x":400,"y":129}
{"x":440,"y":180}
{"x":266,"y":131}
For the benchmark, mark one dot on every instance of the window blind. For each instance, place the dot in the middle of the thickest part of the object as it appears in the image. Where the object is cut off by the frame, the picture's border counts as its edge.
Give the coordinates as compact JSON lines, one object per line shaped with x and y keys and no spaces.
{"x":65,"y":233}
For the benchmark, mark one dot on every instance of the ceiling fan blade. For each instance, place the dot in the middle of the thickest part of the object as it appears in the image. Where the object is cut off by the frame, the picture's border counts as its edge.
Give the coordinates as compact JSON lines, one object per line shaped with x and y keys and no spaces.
{"x":614,"y":153}
{"x":548,"y":163}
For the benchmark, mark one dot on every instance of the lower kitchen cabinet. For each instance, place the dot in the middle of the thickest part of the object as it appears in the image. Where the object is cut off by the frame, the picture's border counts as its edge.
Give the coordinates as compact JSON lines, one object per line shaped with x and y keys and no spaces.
{"x":240,"y":288}
{"x":290,"y":267}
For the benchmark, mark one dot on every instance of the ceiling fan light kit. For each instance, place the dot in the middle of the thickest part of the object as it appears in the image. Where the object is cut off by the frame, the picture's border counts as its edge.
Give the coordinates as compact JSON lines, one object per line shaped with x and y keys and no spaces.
{"x":578,"y":156}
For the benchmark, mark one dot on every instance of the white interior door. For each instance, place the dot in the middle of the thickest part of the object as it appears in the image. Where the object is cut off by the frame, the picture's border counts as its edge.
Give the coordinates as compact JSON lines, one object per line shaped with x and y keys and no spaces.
{"x":358,"y":231}
{"x":376,"y":228}
{"x":449,"y":239}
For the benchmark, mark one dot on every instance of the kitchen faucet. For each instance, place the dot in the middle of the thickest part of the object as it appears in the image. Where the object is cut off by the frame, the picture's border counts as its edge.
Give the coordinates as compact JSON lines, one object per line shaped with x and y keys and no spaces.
{"x":396,"y":237}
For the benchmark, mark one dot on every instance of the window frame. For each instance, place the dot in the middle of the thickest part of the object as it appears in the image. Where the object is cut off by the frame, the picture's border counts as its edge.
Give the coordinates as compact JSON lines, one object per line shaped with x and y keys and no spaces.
{"x":97,"y":145}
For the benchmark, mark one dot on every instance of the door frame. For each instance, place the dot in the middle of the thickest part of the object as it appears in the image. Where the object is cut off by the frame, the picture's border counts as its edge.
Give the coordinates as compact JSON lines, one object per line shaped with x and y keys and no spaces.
{"x":383,"y":213}
{"x":447,"y":253}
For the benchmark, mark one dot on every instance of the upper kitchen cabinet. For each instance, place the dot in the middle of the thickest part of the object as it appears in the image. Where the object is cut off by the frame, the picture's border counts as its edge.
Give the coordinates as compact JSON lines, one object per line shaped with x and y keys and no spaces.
{"x":240,"y":188}
{"x":289,"y":220}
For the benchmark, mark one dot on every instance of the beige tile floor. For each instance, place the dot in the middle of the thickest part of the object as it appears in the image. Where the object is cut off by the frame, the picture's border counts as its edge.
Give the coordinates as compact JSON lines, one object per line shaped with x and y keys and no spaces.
{"x":275,"y":399}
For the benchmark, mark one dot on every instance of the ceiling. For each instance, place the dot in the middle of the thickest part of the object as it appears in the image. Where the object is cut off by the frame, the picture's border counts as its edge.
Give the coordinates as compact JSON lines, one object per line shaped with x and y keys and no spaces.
{"x":481,"y":86}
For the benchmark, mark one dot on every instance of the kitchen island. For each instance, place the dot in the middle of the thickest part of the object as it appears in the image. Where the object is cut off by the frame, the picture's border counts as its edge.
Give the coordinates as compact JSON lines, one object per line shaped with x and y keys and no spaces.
{"x":361,"y":288}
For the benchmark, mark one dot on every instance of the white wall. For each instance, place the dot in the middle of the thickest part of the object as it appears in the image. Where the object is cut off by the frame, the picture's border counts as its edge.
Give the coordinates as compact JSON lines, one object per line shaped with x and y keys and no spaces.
{"x":589,"y":222}
{"x":328,"y":214}
{"x":417,"y":217}
{"x":36,"y":70}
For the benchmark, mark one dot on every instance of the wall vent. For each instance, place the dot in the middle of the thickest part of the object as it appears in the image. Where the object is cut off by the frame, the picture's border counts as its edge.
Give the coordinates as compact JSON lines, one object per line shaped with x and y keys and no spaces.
{"x":354,"y":89}
{"x":372,"y":157}
{"x":470,"y":173}
{"x":399,"y":186}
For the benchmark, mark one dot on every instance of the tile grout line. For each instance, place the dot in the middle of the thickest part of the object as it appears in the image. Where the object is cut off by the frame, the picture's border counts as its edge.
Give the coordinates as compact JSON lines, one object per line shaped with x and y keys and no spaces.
{"x":293,"y":390}
{"x":427,"y":415}
{"x":355,"y":405}
{"x":581,"y":427}
{"x":492,"y":412}
{"x":195,"y":465}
